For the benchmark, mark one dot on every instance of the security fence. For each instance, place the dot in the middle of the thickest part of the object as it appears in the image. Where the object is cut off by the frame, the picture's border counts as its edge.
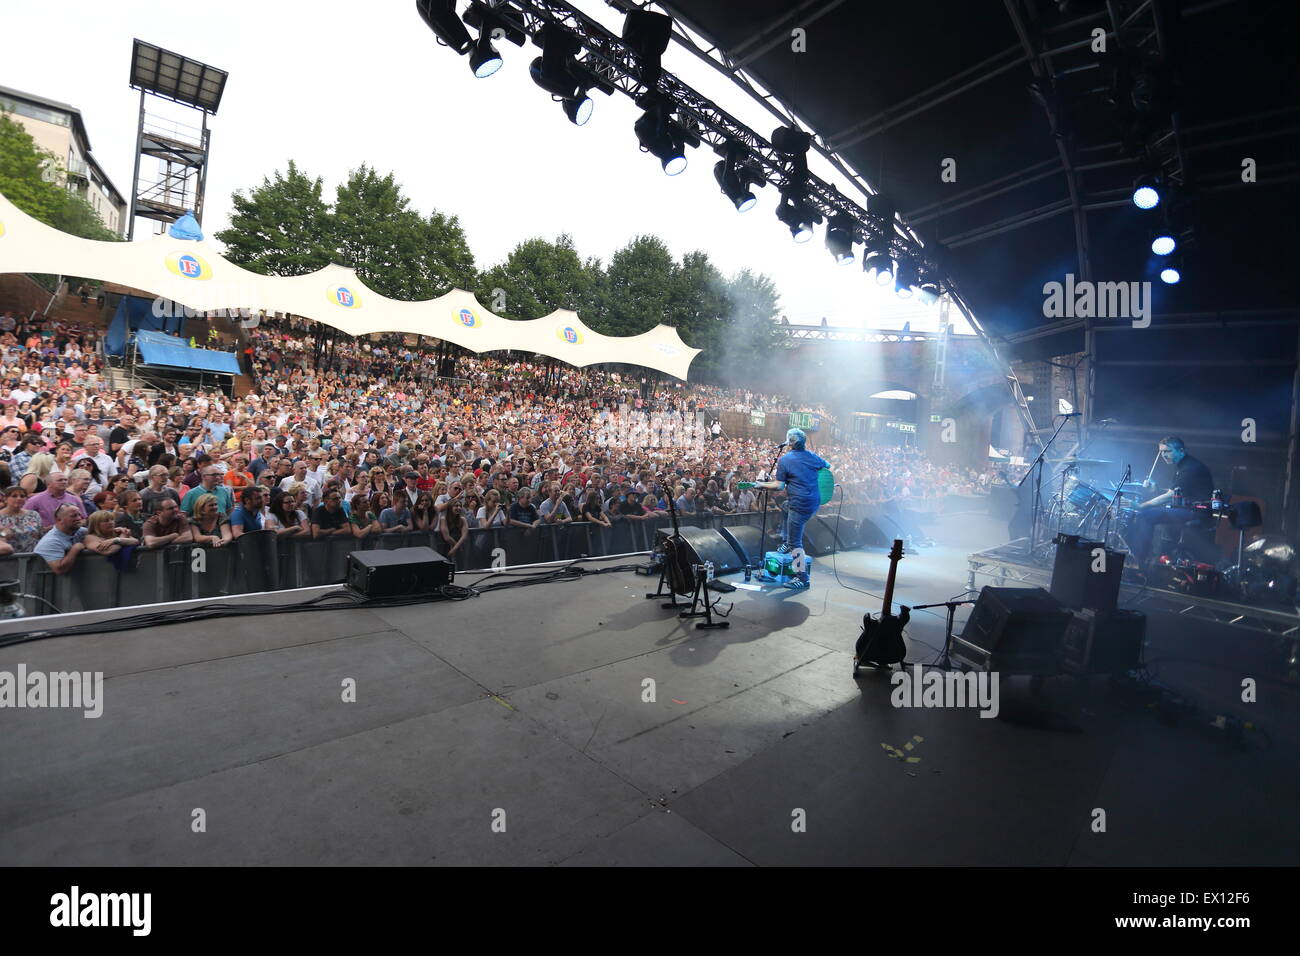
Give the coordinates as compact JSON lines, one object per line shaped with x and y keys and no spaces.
{"x":262,"y":561}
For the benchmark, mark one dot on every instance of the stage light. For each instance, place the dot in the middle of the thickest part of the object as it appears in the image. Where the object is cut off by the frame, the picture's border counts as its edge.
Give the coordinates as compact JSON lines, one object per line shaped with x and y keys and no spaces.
{"x":879,"y":266}
{"x":734,"y":185}
{"x":906,"y":279}
{"x":484,"y":60}
{"x":1163,"y":243}
{"x":1171,"y":272}
{"x":663,"y":139}
{"x":839,"y":238}
{"x":578,"y":108}
{"x":928,"y":290}
{"x":795,"y":214}
{"x":1146,"y":192}
{"x":440,"y":16}
{"x":791,"y":141}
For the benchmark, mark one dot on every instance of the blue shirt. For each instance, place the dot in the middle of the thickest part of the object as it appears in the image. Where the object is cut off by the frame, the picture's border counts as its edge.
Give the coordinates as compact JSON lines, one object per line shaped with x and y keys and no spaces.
{"x":249,"y":521}
{"x":798,"y":469}
{"x":55,"y":545}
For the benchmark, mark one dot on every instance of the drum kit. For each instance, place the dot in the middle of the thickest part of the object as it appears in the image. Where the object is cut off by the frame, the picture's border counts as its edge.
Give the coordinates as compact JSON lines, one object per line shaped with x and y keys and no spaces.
{"x":1092,"y":507}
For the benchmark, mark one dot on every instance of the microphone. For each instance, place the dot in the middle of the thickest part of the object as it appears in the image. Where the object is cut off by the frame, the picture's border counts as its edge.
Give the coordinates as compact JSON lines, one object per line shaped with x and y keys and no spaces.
{"x":783,"y":444}
{"x":1070,"y":414}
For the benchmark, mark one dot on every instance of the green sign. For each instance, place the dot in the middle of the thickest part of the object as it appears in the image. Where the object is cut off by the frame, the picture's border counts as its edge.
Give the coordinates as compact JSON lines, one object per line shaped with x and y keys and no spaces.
{"x":936,"y":418}
{"x":758,"y":419}
{"x":805,"y":420}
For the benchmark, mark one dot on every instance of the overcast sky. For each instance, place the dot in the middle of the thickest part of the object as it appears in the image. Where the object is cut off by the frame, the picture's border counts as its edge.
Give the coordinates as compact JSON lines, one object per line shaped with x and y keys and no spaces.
{"x":334,"y":84}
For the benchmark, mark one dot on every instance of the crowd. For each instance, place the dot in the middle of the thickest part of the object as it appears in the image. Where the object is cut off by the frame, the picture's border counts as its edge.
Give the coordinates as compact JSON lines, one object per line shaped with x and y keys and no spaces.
{"x":365,"y":439}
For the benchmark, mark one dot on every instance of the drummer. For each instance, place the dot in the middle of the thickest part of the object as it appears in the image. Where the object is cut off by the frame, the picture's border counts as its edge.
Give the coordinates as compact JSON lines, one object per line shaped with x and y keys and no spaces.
{"x":1192,"y":480}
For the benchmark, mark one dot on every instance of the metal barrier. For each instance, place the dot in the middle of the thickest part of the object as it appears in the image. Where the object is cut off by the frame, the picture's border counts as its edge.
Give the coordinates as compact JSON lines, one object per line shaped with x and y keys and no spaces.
{"x":262,"y":561}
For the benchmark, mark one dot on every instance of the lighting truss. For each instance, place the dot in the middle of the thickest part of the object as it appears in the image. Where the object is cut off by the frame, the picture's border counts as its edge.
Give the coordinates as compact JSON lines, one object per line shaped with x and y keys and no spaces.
{"x":618,"y":67}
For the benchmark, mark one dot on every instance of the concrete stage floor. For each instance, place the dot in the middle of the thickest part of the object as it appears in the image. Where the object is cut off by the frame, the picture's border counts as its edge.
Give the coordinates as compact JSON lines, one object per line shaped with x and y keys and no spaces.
{"x":526,"y":706}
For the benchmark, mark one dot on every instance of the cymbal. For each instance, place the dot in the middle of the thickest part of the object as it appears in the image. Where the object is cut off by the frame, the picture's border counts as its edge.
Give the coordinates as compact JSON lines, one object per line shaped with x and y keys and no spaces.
{"x":1081,"y":461}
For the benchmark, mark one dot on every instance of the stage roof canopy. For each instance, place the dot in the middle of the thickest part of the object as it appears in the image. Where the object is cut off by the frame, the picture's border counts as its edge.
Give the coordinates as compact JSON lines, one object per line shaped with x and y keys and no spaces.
{"x":196,"y":275}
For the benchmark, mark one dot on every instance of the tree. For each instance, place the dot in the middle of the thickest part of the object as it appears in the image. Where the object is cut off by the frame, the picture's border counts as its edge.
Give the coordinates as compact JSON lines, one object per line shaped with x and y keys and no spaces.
{"x":281,"y":228}
{"x":32,"y":179}
{"x":638,"y":287}
{"x":539,"y":277}
{"x":699,"y":310}
{"x":396,"y":251}
{"x":753,"y":342}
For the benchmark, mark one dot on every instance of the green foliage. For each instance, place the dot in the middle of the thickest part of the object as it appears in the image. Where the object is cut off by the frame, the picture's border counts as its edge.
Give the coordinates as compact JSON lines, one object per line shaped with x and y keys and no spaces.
{"x":32,"y":179}
{"x":284,"y":227}
{"x":281,"y":228}
{"x":539,"y":277}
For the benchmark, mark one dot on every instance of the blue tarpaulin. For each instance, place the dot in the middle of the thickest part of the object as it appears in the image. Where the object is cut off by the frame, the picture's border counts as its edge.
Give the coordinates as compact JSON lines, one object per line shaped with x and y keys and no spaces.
{"x":186,"y":227}
{"x":159,"y":349}
{"x":135,"y":313}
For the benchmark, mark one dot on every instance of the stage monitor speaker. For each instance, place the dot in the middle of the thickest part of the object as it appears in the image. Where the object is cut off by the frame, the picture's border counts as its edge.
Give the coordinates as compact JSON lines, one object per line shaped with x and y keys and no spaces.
{"x":747,"y":543}
{"x":872,"y":535}
{"x":707,"y":544}
{"x":1013,"y":631}
{"x":1103,"y":643}
{"x":817,"y":538}
{"x":844,"y":533}
{"x":398,"y":573}
{"x":1076,"y":584}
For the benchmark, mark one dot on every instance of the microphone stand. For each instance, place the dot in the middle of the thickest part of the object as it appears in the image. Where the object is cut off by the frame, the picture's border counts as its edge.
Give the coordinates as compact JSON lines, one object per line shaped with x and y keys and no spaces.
{"x":945,"y":661}
{"x":762,"y":534}
{"x":1119,"y":494}
{"x":1036,"y":469}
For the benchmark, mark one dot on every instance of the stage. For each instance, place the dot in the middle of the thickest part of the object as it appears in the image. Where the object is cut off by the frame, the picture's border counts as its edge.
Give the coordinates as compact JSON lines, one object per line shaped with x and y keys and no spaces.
{"x":514,"y":728}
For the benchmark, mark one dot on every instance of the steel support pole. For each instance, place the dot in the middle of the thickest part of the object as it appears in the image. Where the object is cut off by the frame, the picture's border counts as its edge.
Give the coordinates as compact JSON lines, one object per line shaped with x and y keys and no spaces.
{"x":135,"y":178}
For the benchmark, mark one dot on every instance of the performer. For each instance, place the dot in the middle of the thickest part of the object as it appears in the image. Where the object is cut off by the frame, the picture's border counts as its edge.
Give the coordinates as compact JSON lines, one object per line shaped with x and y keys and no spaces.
{"x":796,"y":474}
{"x":1193,"y":482}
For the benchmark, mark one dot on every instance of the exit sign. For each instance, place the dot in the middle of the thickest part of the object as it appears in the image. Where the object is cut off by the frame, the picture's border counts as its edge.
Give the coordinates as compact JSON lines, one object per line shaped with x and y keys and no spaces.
{"x":936,"y":418}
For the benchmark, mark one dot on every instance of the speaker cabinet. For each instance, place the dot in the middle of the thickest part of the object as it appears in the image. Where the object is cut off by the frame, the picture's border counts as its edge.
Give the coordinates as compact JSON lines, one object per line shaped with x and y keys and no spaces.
{"x":1013,"y":631}
{"x":1098,"y":643}
{"x":746,"y":542}
{"x":871,"y":534}
{"x":708,"y":544}
{"x":817,"y":538}
{"x":844,"y":533}
{"x":398,"y":573}
{"x":1074,"y":582}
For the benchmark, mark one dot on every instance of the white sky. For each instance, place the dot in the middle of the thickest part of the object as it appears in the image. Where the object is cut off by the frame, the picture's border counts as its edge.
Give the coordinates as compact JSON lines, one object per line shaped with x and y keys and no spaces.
{"x":333,"y":84}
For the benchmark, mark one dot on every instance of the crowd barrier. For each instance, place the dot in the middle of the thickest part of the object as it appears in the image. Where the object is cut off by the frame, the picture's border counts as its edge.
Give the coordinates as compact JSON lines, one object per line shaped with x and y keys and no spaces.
{"x":261,"y":561}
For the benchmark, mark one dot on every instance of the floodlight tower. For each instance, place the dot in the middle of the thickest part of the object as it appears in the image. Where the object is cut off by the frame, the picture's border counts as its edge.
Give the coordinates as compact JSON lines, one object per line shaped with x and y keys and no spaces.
{"x":182,"y":151}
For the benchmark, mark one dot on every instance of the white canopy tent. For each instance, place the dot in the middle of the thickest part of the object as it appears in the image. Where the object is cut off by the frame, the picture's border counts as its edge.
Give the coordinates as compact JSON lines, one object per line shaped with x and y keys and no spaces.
{"x":195,"y":274}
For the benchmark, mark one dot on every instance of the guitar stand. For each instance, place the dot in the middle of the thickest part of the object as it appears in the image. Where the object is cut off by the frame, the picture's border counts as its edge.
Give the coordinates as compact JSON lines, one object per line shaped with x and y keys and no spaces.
{"x":701,"y":595}
{"x":659,"y":591}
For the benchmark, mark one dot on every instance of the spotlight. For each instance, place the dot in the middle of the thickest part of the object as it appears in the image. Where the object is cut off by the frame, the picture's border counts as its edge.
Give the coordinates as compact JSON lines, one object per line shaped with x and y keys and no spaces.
{"x":907,"y":278}
{"x":795,"y":212}
{"x":484,"y":60}
{"x":839,"y":238}
{"x":662,"y":138}
{"x":879,"y":265}
{"x":1171,"y":272}
{"x":1146,"y":191}
{"x":1163,"y":242}
{"x":927,"y":291}
{"x":791,"y":141}
{"x":440,"y":15}
{"x":735,"y":184}
{"x":578,"y":108}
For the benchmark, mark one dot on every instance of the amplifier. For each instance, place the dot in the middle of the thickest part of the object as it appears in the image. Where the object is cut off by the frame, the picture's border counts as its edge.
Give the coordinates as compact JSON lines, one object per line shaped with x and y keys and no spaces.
{"x":1082,"y":577}
{"x":400,"y":572}
{"x":1013,"y":631}
{"x":1096,"y":643}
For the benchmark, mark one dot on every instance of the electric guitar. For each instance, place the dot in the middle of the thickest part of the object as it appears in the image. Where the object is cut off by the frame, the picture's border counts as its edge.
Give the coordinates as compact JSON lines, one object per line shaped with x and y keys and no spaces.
{"x":881,"y":641}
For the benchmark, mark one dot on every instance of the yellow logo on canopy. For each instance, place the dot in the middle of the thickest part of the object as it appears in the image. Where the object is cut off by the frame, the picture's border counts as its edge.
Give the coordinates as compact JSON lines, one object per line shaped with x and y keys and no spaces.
{"x":2,"y":228}
{"x":188,"y":266}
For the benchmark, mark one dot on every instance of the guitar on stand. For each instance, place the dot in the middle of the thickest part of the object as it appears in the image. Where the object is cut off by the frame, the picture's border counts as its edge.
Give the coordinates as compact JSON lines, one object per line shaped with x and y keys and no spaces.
{"x":881,"y":642}
{"x":683,"y":576}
